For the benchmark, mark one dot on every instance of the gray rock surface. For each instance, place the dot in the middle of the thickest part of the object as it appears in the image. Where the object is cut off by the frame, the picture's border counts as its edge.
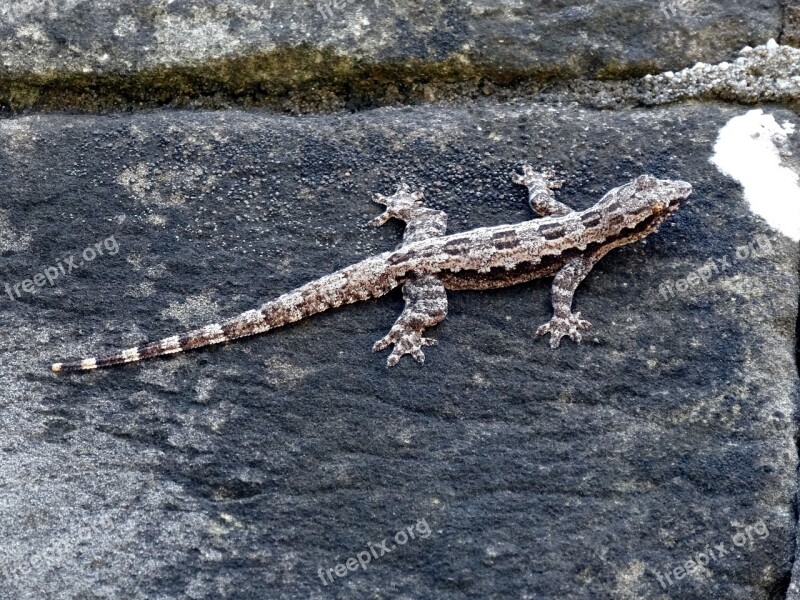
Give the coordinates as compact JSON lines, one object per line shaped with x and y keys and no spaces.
{"x":239,"y":471}
{"x":791,"y":23}
{"x":84,"y":54}
{"x":80,"y":35}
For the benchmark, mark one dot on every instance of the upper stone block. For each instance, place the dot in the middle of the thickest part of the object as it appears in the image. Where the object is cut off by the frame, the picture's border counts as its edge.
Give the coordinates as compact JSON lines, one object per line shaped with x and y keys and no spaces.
{"x":591,"y":37}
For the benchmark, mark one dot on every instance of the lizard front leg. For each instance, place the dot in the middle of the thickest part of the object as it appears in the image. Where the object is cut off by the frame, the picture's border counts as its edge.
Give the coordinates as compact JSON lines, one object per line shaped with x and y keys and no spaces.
{"x":425,"y":297}
{"x":540,"y":191}
{"x":566,"y":281}
{"x":421,"y":222}
{"x":426,"y":305}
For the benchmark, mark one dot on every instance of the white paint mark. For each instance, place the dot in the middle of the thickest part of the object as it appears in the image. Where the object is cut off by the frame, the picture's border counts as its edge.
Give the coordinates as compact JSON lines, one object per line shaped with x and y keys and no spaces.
{"x":747,"y":150}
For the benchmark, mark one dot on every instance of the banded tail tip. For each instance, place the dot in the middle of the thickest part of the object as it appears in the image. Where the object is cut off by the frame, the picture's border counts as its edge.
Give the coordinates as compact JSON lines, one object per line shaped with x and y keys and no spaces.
{"x":82,"y":365}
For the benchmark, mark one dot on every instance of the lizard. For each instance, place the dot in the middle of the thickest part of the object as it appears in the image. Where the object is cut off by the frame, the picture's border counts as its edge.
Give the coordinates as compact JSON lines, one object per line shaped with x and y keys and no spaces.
{"x":564,"y":243}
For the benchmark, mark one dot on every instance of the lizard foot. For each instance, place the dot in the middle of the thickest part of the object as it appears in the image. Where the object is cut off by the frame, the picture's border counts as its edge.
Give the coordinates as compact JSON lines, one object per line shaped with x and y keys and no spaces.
{"x":530,"y":177}
{"x":402,"y":204}
{"x":405,"y":342}
{"x":558,"y":327}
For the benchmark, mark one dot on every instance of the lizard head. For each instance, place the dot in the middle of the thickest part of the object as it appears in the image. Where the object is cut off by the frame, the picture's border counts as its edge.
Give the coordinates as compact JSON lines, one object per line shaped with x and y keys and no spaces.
{"x":645,"y":202}
{"x":663,"y":196}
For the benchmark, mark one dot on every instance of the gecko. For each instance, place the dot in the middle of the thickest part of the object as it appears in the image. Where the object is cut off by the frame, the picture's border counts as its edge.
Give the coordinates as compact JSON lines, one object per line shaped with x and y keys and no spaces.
{"x":564,"y":243}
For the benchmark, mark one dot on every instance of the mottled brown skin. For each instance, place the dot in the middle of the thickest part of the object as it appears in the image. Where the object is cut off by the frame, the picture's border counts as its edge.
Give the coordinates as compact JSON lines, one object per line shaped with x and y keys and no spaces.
{"x":565,"y":243}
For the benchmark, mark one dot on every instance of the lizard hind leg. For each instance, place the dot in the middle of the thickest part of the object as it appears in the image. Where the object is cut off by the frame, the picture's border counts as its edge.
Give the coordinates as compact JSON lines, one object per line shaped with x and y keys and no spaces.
{"x":421,"y":222}
{"x":426,"y":305}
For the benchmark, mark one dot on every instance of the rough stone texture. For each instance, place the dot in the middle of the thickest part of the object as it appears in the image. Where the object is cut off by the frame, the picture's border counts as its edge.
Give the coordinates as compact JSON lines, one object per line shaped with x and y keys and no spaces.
{"x":589,"y":37}
{"x":766,"y":73}
{"x":238,"y":471}
{"x":95,"y":56}
{"x":791,"y":22}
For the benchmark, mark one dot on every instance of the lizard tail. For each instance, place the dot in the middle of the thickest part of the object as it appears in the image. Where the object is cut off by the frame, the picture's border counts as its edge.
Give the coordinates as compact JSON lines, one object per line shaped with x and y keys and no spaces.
{"x":364,"y":280}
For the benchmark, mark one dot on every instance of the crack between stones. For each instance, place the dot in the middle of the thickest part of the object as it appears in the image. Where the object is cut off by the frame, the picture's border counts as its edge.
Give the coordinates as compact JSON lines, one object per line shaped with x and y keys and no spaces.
{"x":310,"y":80}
